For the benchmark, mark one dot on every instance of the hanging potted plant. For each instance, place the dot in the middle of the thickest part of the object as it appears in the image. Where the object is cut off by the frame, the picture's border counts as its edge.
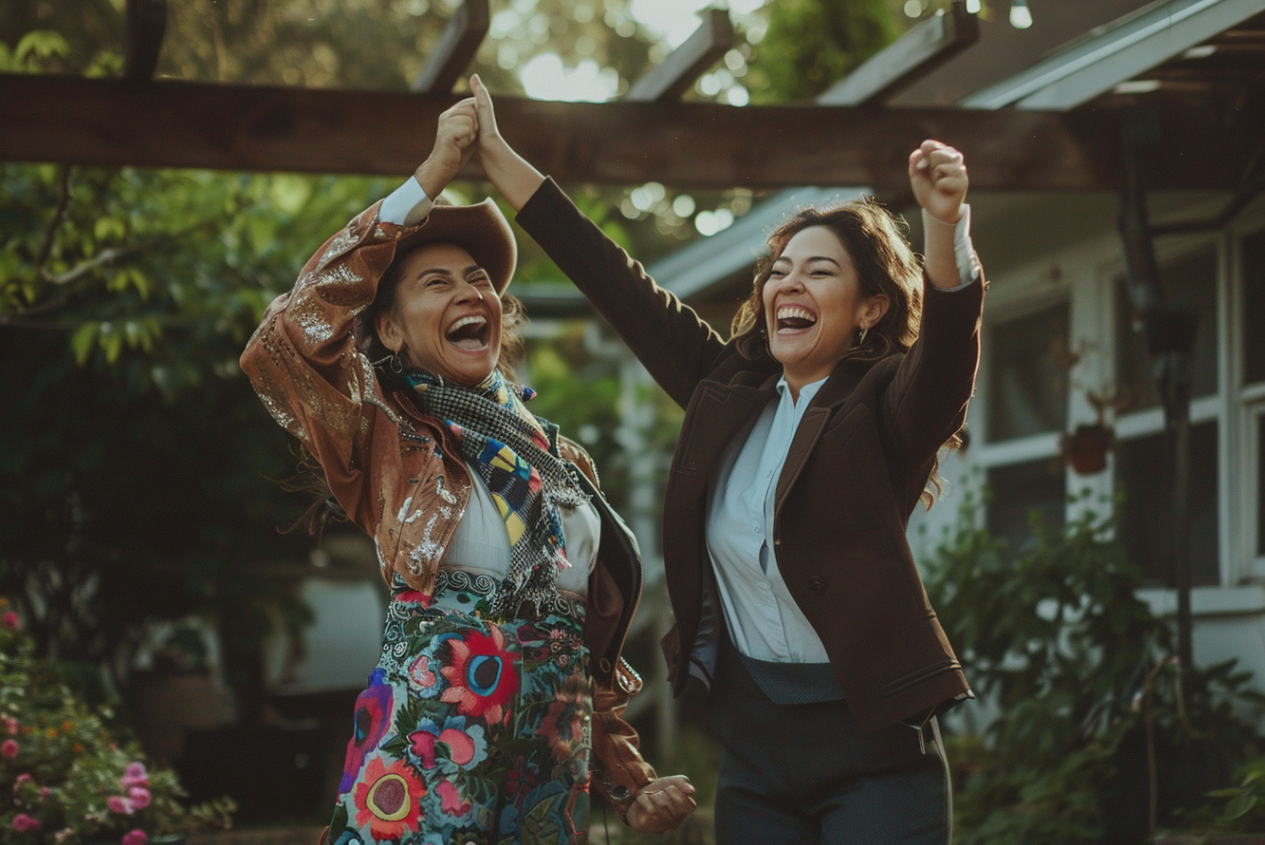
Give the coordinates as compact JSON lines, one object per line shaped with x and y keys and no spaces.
{"x":1085,"y":448}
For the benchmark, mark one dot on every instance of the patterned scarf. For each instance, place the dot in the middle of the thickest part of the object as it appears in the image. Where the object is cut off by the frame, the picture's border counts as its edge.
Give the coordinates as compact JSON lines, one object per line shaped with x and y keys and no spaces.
{"x":516,"y":454}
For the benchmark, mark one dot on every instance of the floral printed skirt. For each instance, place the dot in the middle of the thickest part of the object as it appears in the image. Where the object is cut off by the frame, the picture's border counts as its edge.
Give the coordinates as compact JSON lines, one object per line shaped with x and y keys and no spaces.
{"x":472,"y":729}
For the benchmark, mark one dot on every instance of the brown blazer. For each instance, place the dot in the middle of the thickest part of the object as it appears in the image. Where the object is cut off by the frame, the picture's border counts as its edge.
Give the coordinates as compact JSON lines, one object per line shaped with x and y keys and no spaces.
{"x":857,"y":465}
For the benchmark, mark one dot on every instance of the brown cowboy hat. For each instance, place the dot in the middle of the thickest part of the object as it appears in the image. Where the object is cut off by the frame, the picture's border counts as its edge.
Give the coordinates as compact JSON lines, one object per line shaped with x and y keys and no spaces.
{"x":480,"y":229}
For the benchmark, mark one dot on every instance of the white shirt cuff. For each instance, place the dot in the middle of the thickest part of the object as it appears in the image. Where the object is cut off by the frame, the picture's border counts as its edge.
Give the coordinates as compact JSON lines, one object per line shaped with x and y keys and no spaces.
{"x":407,"y":205}
{"x":963,"y":252}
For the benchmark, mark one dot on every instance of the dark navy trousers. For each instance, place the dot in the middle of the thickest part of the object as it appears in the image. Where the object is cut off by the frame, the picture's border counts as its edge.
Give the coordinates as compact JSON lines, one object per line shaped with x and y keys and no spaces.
{"x":799,"y":774}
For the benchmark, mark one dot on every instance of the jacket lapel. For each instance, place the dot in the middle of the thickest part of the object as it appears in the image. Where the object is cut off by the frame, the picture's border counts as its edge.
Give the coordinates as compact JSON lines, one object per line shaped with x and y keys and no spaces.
{"x":834,"y":393}
{"x":721,"y":412}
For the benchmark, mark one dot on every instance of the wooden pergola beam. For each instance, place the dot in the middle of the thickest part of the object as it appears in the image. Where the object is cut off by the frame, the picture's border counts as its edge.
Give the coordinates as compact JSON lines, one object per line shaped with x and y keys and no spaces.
{"x":145,"y":26}
{"x":672,"y":77}
{"x":457,"y":46}
{"x":112,"y":122}
{"x":923,"y":48}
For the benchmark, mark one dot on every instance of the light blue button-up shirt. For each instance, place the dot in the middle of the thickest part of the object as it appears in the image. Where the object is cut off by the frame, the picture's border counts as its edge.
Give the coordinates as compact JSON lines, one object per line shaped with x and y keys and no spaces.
{"x":763,"y":618}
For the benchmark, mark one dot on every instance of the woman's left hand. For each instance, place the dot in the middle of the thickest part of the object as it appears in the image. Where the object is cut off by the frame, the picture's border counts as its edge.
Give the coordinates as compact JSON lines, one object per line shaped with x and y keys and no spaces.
{"x":937,"y":173}
{"x":661,"y":805}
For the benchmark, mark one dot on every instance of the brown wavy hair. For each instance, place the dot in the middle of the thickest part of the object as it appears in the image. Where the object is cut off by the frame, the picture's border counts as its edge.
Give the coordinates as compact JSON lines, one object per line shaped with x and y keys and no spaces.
{"x":876,"y":242}
{"x":884,"y":264}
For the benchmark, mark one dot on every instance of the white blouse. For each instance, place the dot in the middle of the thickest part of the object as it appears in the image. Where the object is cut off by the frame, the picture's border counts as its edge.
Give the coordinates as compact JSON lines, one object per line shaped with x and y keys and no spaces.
{"x":481,"y":543}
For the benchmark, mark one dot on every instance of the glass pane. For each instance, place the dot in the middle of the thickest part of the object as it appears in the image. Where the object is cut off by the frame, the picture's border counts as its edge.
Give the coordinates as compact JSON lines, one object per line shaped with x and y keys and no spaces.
{"x":1253,"y":247}
{"x":1029,"y":375}
{"x":1260,"y":486}
{"x":1188,"y":282}
{"x":1020,"y":489}
{"x":1144,"y":524}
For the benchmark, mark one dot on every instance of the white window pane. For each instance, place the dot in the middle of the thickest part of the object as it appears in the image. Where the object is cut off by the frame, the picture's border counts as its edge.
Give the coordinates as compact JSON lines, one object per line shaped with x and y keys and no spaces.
{"x":1017,"y":491}
{"x":1028,"y":385}
{"x":1145,"y":504}
{"x":1253,"y":251}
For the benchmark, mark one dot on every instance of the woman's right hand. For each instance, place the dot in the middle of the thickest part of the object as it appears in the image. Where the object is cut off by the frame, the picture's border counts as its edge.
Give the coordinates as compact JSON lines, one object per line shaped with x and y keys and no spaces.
{"x":661,"y":805}
{"x":455,"y":139}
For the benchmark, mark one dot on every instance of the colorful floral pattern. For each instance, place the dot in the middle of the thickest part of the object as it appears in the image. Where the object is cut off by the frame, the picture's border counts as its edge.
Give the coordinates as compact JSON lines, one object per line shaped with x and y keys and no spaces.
{"x":471,"y":729}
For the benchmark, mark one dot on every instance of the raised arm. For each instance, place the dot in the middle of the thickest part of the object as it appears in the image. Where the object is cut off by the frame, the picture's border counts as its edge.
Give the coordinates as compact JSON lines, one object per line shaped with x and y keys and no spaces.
{"x":513,"y":175}
{"x":926,"y":402}
{"x":303,"y":360}
{"x":676,"y":346}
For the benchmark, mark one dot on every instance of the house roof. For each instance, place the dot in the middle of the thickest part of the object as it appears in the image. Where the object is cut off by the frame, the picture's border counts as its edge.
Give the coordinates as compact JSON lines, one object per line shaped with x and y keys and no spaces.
{"x":1159,"y":36}
{"x":1185,"y":47}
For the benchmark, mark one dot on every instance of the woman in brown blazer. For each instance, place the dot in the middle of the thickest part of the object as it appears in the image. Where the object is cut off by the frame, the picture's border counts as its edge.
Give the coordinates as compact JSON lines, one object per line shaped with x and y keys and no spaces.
{"x":808,"y":439}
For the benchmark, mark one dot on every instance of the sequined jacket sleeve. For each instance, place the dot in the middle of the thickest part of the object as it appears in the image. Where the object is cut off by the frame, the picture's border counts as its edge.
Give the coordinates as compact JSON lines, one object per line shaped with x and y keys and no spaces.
{"x":303,"y":361}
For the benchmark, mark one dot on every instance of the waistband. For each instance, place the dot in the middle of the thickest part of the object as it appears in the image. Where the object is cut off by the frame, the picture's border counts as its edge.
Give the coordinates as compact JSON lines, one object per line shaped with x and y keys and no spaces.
{"x":474,"y":591}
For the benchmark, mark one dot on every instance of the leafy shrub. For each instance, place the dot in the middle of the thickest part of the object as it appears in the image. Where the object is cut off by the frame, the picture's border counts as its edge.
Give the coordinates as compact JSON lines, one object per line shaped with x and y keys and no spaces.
{"x":64,"y":776}
{"x":1093,"y":741}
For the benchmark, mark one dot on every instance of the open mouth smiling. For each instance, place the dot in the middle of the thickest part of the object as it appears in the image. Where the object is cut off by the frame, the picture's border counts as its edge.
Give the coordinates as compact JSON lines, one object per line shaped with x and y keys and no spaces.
{"x":793,"y":318}
{"x":469,"y":333}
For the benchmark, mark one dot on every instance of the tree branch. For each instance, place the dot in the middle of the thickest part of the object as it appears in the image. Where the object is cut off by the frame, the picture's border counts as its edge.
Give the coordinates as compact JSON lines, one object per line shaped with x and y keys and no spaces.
{"x":46,"y":248}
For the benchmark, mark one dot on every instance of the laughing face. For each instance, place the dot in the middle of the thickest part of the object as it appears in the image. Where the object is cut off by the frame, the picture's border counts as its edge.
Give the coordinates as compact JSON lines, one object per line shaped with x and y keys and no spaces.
{"x":447,"y":317}
{"x":814,"y":305}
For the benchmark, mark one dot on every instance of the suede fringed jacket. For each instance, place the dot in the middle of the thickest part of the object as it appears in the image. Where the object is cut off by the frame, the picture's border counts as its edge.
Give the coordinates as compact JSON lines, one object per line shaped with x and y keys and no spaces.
{"x":399,"y":475}
{"x":857,"y":465}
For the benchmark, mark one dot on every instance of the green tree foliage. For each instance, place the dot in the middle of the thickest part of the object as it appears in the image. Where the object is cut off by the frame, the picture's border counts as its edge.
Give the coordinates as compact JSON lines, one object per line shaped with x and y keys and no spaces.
{"x":136,"y":478}
{"x":811,"y":44}
{"x":140,"y":477}
{"x":369,"y":44}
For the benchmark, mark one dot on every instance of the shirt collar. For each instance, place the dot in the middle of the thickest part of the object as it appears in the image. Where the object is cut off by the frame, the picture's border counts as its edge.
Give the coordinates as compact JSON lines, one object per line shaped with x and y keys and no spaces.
{"x":806,"y":393}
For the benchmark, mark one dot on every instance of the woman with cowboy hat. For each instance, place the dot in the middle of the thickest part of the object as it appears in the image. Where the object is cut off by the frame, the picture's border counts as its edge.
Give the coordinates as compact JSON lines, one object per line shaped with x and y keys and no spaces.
{"x":808,"y":439}
{"x":498,"y":697}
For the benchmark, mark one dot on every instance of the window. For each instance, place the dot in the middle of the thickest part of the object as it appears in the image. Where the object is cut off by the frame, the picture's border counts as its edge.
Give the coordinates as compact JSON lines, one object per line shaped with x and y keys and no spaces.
{"x":1143,"y":515}
{"x":1260,"y":486}
{"x":1028,"y":386}
{"x":1188,"y":282}
{"x":1253,"y":252}
{"x":1017,"y":491}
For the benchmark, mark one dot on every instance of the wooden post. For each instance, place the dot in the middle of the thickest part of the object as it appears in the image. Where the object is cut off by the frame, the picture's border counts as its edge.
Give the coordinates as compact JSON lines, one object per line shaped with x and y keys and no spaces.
{"x":672,"y":77}
{"x":925,"y":47}
{"x":456,"y":48}
{"x":145,"y":26}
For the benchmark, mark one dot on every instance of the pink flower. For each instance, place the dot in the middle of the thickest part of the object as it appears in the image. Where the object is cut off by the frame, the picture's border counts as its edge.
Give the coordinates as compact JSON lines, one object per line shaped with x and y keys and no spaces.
{"x":22,"y":778}
{"x":22,"y":823}
{"x":11,"y":725}
{"x":135,"y":837}
{"x":139,"y":796}
{"x":119,"y":804}
{"x":44,"y":791}
{"x":9,"y":748}
{"x":135,"y":776}
{"x":13,"y":623}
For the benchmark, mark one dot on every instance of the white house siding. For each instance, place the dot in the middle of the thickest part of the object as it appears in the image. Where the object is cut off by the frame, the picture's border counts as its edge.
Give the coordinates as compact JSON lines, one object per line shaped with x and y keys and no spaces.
{"x":1042,"y":251}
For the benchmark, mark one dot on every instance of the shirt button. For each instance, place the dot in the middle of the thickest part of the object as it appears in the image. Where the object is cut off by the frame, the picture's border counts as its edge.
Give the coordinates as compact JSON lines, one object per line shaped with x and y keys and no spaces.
{"x":757,"y":528}
{"x":817,"y":585}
